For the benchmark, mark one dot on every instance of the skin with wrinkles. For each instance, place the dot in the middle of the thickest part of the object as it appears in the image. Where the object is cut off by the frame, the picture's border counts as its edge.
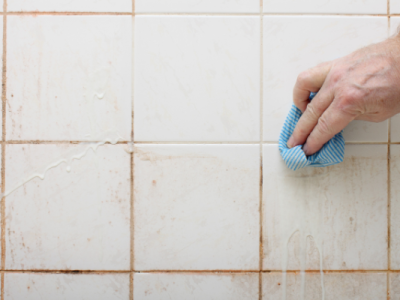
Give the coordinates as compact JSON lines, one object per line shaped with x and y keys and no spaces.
{"x":364,"y":85}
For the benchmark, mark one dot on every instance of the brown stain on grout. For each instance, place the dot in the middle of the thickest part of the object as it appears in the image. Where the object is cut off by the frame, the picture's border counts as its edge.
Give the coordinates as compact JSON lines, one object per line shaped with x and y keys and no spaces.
{"x":3,"y":147}
{"x":69,"y":271}
{"x":193,"y":271}
{"x":59,"y":142}
{"x":132,"y":224}
{"x":66,"y":13}
{"x":261,"y":250}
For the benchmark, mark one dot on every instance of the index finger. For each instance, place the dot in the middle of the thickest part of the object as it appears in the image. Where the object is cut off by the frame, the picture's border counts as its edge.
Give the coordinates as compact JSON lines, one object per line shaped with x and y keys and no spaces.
{"x":309,"y":81}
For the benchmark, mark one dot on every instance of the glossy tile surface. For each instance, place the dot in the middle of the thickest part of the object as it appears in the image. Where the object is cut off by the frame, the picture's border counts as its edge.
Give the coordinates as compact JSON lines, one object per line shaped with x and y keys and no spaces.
{"x":45,"y":102}
{"x":395,"y":121}
{"x":203,"y":201}
{"x":394,"y":286}
{"x":70,"y":5}
{"x":41,"y":286}
{"x":339,"y":211}
{"x":346,"y":286}
{"x":293,"y":44}
{"x":197,"y":78}
{"x":206,"y":286}
{"x":327,"y":7}
{"x":75,"y":220}
{"x":394,"y":6}
{"x":395,"y":207}
{"x":198,"y":6}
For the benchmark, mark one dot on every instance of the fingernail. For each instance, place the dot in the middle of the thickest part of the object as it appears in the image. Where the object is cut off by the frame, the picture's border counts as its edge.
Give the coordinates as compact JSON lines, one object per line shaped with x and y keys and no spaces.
{"x":305,"y":149}
{"x":290,"y":142}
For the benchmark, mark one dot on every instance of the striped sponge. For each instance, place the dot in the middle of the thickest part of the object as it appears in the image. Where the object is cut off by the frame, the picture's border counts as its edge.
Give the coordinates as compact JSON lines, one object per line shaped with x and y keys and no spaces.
{"x":330,"y":154}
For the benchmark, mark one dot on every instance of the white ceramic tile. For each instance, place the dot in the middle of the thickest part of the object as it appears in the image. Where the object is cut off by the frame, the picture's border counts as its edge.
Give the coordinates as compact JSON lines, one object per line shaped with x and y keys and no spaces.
{"x":344,"y":286}
{"x":37,"y":286}
{"x":332,"y":7}
{"x":196,"y":286}
{"x":342,"y":209}
{"x":395,"y":121}
{"x":395,"y":129}
{"x":68,"y":77}
{"x":70,"y":220}
{"x":198,"y":6}
{"x":295,"y":44}
{"x":394,"y":286}
{"x":197,"y":78}
{"x":395,"y":206}
{"x":70,"y":5}
{"x":394,"y":6}
{"x":203,"y":203}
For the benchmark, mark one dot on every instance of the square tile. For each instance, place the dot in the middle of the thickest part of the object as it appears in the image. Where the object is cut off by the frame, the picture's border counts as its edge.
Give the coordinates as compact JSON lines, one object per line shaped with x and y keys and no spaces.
{"x":77,"y":220}
{"x":198,"y":6}
{"x":395,"y":207}
{"x":395,"y":121}
{"x":343,"y":286}
{"x":202,"y":200}
{"x":394,"y":279}
{"x":296,"y":43}
{"x":33,"y":286}
{"x":329,"y":7}
{"x":394,"y":6}
{"x":334,"y":216}
{"x":196,"y":286}
{"x":44,"y":102}
{"x":70,"y":5}
{"x":197,"y":78}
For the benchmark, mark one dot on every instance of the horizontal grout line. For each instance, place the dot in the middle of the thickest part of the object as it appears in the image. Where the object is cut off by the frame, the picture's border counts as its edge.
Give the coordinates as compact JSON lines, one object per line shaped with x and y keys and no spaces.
{"x":77,"y":13}
{"x":23,"y":142}
{"x":58,"y":142}
{"x":68,"y":271}
{"x":66,"y":13}
{"x":191,"y":271}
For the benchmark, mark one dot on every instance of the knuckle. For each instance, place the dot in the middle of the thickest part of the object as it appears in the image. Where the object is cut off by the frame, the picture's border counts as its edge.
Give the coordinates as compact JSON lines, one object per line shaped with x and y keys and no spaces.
{"x":336,"y":75}
{"x":313,"y":111}
{"x":350,"y":100}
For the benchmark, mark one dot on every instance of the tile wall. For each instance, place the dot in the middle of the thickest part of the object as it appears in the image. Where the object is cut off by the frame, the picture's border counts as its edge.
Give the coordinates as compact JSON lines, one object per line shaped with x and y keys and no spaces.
{"x":188,"y":197}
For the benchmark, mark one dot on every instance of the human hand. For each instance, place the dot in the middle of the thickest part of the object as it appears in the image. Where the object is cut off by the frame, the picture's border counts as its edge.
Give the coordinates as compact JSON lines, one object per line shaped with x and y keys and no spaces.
{"x":364,"y":85}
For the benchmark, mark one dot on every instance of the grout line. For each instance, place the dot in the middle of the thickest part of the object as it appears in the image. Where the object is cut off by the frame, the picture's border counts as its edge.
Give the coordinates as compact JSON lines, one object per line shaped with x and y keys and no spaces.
{"x":261,"y":250}
{"x":132,"y":223}
{"x":70,"y":271}
{"x":190,"y":271}
{"x":67,"y":13}
{"x":254,"y":14}
{"x":388,"y":184}
{"x":23,"y":142}
{"x":131,"y":285}
{"x":77,"y":13}
{"x":3,"y":147}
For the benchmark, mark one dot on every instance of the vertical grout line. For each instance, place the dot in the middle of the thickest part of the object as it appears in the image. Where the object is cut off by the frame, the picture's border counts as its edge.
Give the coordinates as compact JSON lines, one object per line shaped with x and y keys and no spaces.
{"x":388,"y":186}
{"x":132,"y":265}
{"x":3,"y":147}
{"x":130,"y":285}
{"x":260,"y":291}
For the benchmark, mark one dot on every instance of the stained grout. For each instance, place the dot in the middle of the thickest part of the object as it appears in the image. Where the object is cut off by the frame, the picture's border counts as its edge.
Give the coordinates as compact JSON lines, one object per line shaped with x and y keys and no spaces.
{"x":78,"y":13}
{"x":261,"y":254}
{"x":24,"y":142}
{"x":67,"y":13}
{"x":132,"y":223}
{"x":132,"y":271}
{"x":3,"y":147}
{"x":190,"y":271}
